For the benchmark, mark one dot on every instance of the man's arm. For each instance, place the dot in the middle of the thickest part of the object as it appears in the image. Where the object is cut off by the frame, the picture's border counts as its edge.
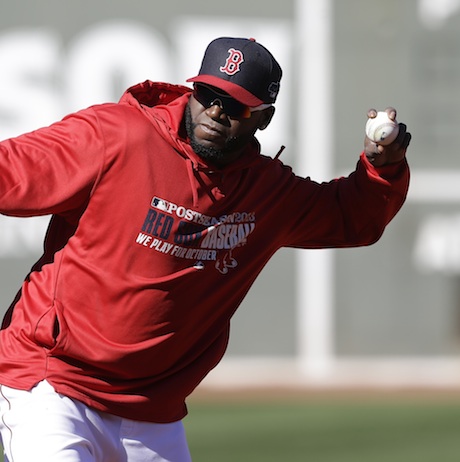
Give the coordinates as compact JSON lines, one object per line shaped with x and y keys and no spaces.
{"x":354,"y":211}
{"x":51,"y":170}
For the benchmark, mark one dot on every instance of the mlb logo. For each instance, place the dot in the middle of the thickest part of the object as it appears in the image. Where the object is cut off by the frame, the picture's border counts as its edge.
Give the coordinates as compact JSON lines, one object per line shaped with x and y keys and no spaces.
{"x":160,"y":204}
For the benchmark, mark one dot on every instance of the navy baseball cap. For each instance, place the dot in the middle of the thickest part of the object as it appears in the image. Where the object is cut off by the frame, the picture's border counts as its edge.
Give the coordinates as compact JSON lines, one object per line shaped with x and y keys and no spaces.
{"x":243,"y":68}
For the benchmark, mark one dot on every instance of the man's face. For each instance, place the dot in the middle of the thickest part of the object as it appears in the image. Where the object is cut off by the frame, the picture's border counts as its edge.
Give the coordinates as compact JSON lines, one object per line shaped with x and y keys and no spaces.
{"x":218,"y":137}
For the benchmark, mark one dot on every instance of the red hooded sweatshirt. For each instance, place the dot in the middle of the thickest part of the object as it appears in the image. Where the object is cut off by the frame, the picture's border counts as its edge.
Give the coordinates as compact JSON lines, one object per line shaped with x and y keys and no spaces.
{"x":150,"y":251}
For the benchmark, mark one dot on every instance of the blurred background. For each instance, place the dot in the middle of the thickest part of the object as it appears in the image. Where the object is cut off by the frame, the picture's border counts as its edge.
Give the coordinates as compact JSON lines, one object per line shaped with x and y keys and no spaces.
{"x":383,"y":316}
{"x":327,"y":328}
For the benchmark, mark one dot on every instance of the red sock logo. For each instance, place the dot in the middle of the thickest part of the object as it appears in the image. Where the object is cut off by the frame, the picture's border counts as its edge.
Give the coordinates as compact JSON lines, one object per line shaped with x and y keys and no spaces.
{"x":233,"y":62}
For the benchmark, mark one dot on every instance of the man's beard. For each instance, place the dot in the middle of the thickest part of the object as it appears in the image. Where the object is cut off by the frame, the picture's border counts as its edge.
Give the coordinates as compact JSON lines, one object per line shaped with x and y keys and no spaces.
{"x":214,"y":155}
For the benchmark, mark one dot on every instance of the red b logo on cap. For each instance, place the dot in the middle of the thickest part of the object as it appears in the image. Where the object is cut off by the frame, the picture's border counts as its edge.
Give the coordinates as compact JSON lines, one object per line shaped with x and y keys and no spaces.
{"x":232,"y":64}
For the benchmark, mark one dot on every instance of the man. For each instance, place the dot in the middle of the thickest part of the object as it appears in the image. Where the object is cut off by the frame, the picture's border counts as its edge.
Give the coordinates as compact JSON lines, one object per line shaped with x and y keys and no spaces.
{"x":164,"y":212}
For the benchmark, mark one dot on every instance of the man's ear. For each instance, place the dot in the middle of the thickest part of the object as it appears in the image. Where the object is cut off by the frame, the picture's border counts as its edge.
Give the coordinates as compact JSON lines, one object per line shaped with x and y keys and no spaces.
{"x":266,"y":118}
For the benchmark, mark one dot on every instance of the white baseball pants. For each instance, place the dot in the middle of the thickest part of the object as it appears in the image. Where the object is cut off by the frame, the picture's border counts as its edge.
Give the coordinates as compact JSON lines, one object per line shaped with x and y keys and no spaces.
{"x":41,"y":425}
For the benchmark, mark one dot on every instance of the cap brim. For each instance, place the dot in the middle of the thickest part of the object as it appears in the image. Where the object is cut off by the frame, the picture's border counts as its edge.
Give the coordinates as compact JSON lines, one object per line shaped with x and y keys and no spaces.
{"x":234,"y":90}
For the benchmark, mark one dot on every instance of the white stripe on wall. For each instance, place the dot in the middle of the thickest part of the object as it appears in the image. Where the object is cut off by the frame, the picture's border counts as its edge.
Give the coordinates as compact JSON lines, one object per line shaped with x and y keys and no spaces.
{"x":314,"y":158}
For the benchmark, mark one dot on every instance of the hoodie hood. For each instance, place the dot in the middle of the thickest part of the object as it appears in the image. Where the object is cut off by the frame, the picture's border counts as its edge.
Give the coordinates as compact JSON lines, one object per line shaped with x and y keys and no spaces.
{"x":152,"y":94}
{"x":164,"y":105}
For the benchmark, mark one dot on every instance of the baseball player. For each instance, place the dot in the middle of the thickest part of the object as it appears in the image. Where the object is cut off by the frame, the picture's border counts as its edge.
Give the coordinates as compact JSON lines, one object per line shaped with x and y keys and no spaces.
{"x":164,"y":211}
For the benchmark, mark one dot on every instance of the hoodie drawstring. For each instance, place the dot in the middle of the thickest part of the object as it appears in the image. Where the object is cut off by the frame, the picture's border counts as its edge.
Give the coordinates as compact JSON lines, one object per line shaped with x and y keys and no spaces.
{"x":191,"y":177}
{"x":282,"y":148}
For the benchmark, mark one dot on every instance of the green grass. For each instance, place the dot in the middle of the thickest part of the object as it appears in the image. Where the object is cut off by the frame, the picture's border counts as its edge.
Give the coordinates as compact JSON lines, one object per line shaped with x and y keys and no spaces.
{"x":325,"y":431}
{"x":261,"y":428}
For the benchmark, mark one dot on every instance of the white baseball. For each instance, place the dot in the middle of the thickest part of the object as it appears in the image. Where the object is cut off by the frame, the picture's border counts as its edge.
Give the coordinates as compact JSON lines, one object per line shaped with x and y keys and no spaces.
{"x":381,"y":129}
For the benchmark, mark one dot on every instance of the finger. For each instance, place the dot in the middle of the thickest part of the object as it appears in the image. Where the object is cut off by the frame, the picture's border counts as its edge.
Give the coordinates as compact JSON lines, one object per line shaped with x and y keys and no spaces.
{"x":402,"y":133}
{"x":406,"y":141}
{"x":371,"y":113}
{"x":391,"y":111}
{"x":404,"y":137}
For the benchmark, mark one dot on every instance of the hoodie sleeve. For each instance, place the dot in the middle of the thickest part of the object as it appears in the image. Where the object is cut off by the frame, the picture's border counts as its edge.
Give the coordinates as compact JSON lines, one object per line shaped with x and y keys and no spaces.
{"x":53,"y":169}
{"x":349,"y":211}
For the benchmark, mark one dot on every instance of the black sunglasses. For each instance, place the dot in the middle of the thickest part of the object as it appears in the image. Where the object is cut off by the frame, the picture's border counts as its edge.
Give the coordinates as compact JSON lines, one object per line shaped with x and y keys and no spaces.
{"x":208,"y":97}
